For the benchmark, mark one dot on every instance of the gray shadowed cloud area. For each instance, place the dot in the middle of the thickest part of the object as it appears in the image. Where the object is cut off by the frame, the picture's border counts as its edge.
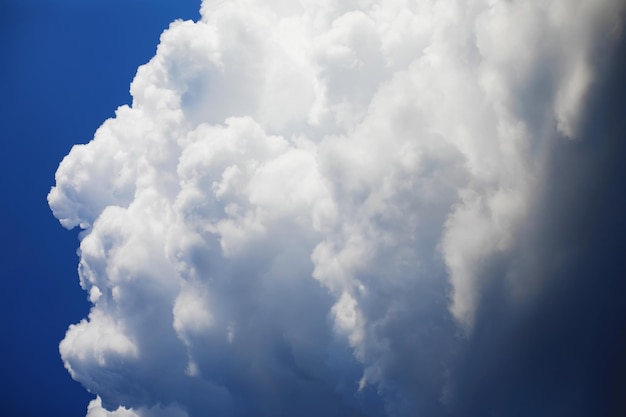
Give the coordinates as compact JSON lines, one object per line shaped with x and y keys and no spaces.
{"x":562,"y":352}
{"x":364,"y":208}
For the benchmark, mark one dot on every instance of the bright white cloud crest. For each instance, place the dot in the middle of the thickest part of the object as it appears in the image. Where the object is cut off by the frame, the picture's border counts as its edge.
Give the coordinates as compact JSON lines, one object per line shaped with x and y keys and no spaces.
{"x":303,"y":194}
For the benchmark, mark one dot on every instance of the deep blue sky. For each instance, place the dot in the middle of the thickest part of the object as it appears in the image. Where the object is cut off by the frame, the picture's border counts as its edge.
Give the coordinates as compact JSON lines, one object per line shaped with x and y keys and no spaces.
{"x":66,"y":66}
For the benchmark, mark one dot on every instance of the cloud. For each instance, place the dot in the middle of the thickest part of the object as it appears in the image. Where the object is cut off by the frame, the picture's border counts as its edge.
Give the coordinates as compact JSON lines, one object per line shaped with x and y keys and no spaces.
{"x":315,"y":207}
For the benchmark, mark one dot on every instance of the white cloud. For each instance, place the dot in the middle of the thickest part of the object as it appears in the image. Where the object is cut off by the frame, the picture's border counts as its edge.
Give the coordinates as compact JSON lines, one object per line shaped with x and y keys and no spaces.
{"x":95,"y":409}
{"x":295,"y":179}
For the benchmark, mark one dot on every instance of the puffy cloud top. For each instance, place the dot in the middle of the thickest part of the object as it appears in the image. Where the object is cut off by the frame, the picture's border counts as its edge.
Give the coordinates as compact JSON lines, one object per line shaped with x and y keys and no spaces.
{"x":297,"y":214}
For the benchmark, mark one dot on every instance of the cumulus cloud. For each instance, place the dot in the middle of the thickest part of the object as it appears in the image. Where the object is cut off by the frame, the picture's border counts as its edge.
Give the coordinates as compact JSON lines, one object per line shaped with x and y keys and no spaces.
{"x":309,"y":206}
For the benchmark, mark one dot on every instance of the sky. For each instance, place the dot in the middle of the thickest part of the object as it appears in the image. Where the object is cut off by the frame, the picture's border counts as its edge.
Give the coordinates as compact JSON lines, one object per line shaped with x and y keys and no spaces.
{"x":67,"y":66}
{"x":343,"y":208}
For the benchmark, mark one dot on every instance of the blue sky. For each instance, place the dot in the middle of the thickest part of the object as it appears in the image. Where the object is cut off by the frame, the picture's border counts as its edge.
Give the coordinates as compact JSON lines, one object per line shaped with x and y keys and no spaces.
{"x":313,"y":208}
{"x":67,"y":66}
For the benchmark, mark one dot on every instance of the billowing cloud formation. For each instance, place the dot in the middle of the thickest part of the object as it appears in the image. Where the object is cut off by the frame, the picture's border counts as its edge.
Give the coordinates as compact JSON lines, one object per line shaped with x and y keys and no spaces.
{"x":311,"y":207}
